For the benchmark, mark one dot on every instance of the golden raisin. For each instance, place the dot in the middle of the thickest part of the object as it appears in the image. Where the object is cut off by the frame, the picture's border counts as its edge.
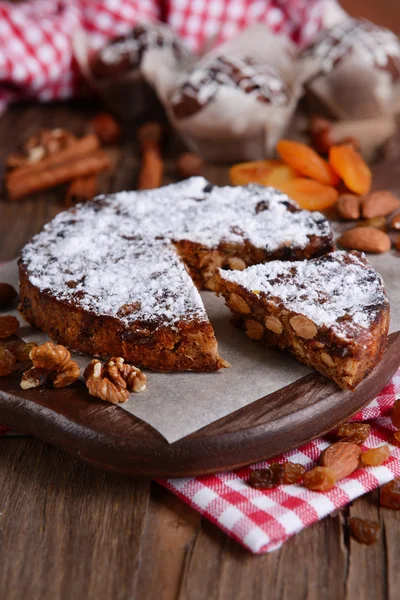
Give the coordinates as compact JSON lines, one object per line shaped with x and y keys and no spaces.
{"x":7,"y":361}
{"x":364,"y":531}
{"x":390,"y":494}
{"x":374,"y":457}
{"x":355,"y":433}
{"x":276,"y":474}
{"x":7,"y":295}
{"x":21,"y":349}
{"x":396,"y":438}
{"x":395,"y":414}
{"x":8,"y":326}
{"x":319,"y":479}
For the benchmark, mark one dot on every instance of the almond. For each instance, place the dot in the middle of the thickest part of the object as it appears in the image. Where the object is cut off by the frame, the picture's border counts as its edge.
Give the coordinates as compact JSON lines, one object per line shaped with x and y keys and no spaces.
{"x":367,"y":239}
{"x":304,"y":327}
{"x":375,"y":222}
{"x":348,"y":206}
{"x":273,"y":324}
{"x":239,"y":305}
{"x":379,"y":204}
{"x":343,"y":458}
{"x":395,"y":222}
{"x":236,"y":263}
{"x":254,"y":329}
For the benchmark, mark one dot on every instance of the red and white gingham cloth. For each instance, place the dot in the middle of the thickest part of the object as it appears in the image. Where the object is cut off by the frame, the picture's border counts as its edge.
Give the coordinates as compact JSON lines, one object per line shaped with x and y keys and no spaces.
{"x":263,"y":520}
{"x":36,"y":56}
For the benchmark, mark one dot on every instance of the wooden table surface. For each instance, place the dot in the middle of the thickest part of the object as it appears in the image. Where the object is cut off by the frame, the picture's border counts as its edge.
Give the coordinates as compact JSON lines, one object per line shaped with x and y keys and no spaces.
{"x":70,"y":531}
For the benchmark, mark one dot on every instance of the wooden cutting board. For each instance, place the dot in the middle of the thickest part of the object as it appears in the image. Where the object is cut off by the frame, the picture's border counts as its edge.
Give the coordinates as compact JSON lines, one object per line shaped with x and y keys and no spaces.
{"x":108,"y":437}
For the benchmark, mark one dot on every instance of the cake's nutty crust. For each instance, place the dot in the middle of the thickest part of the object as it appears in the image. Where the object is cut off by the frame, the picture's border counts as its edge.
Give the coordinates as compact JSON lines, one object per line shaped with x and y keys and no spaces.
{"x":345,"y":351}
{"x":107,"y":278}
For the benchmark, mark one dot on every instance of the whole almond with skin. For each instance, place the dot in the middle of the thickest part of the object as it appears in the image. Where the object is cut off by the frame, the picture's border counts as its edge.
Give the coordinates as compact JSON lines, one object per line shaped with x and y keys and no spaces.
{"x":366,"y":239}
{"x":379,"y":204}
{"x":343,"y":458}
{"x":348,"y":206}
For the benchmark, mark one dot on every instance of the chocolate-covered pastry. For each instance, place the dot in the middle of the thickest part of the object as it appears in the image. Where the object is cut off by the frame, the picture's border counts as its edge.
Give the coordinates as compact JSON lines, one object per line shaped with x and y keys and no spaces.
{"x":352,"y":70}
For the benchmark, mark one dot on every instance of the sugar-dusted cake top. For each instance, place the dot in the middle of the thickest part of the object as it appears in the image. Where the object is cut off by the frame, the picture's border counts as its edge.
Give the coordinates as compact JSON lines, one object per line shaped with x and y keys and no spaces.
{"x":378,"y":46}
{"x":340,"y":290}
{"x":118,"y":250}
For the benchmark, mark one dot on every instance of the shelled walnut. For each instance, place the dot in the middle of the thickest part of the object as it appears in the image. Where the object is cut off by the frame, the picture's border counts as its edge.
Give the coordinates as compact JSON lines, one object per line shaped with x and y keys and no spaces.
{"x":52,"y":366}
{"x":113,"y":381}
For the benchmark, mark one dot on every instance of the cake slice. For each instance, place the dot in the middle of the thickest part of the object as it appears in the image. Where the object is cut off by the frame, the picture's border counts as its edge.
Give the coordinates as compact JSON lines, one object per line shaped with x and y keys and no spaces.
{"x":331,"y":312}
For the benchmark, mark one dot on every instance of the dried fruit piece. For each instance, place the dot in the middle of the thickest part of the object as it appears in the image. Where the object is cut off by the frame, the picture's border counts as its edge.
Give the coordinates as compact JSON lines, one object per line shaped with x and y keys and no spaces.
{"x":189,"y":164}
{"x":21,"y":349}
{"x":376,"y":222}
{"x":8,"y":326}
{"x":395,"y":414}
{"x":309,"y":194}
{"x":374,"y":457}
{"x":342,"y":457}
{"x":367,"y":239}
{"x":319,"y":479}
{"x":276,"y":474}
{"x":306,"y":161}
{"x":396,"y":437}
{"x":7,"y":295}
{"x":390,"y":494}
{"x":355,"y":433}
{"x":7,"y":361}
{"x":351,"y":167}
{"x":364,"y":531}
{"x":379,"y":204}
{"x":348,"y":206}
{"x":106,"y":128}
{"x":264,"y":172}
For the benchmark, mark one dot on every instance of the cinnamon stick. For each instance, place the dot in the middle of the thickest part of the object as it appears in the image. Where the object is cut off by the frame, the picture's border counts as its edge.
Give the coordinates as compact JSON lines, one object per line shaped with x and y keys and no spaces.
{"x":152,"y":166}
{"x":81,"y":147}
{"x":81,"y":189}
{"x":49,"y":176}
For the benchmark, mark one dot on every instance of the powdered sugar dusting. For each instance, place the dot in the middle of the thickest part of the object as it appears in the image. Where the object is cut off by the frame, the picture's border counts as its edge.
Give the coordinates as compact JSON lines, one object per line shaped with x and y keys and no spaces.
{"x":115,"y":255}
{"x":325,"y":289}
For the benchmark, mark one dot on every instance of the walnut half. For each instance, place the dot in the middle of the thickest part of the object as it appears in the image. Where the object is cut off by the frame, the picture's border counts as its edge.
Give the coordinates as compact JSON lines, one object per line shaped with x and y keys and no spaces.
{"x":52,"y":365}
{"x":113,"y":381}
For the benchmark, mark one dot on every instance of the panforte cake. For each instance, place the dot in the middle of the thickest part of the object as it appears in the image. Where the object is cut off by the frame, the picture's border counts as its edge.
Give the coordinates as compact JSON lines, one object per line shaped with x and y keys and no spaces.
{"x":331,"y":312}
{"x":117,"y":276}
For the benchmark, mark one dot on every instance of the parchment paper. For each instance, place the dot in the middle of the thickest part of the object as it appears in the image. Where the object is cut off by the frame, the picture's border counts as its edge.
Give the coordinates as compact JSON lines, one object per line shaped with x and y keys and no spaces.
{"x":177,"y":404}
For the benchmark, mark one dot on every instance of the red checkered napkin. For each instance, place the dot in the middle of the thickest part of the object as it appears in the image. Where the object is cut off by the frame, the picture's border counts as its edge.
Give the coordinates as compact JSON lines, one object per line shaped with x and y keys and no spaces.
{"x":263,"y":520}
{"x":36,"y":56}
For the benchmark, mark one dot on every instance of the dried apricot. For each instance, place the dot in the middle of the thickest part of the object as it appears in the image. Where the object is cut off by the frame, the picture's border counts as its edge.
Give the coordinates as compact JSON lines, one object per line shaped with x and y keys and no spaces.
{"x":8,"y":326}
{"x":390,"y":494}
{"x":310,"y":194}
{"x":351,"y":167}
{"x":264,"y":172}
{"x":374,"y":457}
{"x":356,"y":433}
{"x":306,"y":161}
{"x":7,"y":295}
{"x":319,"y":479}
{"x":7,"y":361}
{"x":364,"y":531}
{"x":395,"y":414}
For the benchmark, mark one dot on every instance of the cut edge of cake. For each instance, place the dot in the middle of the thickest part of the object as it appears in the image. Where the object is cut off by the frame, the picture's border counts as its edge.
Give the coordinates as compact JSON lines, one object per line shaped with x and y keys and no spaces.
{"x":343,"y":350}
